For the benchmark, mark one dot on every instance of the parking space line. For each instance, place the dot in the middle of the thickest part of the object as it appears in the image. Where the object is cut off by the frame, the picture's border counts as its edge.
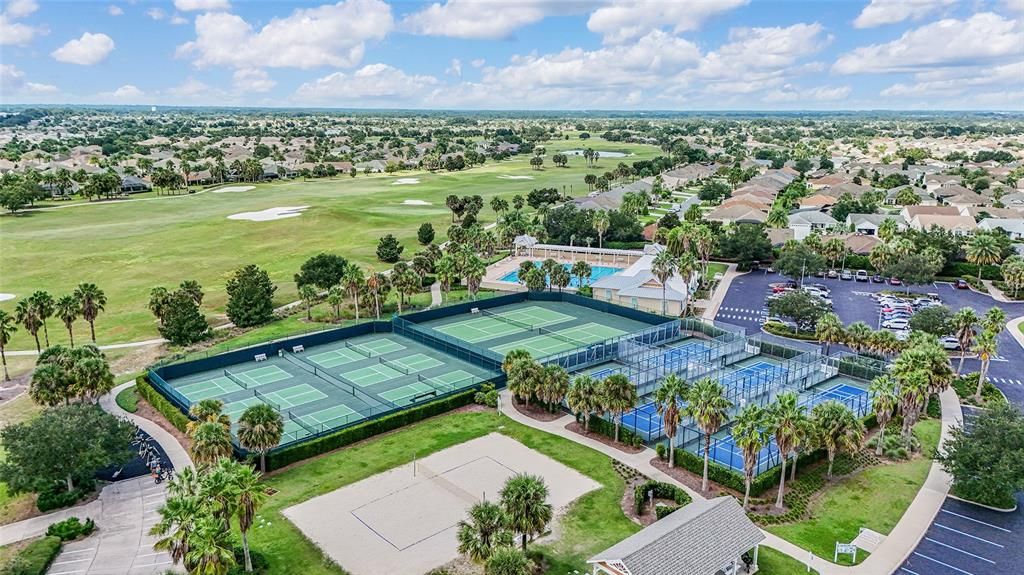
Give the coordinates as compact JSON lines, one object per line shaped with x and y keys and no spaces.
{"x":78,"y":551}
{"x":72,"y":561}
{"x":948,"y":546}
{"x":941,"y":526}
{"x":957,"y":569}
{"x":905,"y":570}
{"x":977,"y":521}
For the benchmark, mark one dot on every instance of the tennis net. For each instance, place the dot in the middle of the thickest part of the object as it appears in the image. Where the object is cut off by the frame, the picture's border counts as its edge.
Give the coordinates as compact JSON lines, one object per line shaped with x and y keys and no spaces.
{"x":440,"y":481}
{"x":508,"y":320}
{"x":301,"y":424}
{"x":358,"y":350}
{"x":394,"y":365}
{"x":264,"y":399}
{"x":558,"y":336}
{"x":236,"y":379}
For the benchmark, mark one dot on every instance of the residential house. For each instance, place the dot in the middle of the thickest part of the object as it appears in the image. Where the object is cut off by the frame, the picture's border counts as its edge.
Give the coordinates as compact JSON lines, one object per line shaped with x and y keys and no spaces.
{"x":966,"y":200}
{"x":984,"y":212}
{"x":637,"y":287}
{"x":868,"y":224}
{"x":958,"y":225}
{"x":134,"y":185}
{"x":910,"y":212}
{"x":738,"y":214}
{"x":933,"y":182}
{"x":1014,"y":228}
{"x":923,"y":197}
{"x":804,"y":223}
{"x":817,"y":202}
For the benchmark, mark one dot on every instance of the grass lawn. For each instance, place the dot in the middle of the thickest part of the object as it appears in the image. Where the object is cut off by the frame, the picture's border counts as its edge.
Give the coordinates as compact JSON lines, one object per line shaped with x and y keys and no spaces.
{"x":128,"y":399}
{"x":772,"y":562}
{"x":715,"y":268}
{"x":593,"y":523}
{"x":127,"y":248}
{"x":17,"y":410}
{"x":875,"y":498}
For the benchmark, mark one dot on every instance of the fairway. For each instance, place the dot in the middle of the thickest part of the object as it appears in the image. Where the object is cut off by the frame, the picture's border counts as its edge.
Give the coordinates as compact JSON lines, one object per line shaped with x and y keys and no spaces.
{"x":134,"y":246}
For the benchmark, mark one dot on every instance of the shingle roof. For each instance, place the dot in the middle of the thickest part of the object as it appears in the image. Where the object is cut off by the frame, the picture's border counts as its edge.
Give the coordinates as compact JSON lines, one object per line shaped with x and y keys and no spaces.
{"x":699,"y":539}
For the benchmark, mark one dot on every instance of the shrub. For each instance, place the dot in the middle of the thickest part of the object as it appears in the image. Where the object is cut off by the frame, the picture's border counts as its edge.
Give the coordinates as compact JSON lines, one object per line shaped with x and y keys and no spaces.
{"x":57,"y":496}
{"x":661,"y":450}
{"x":260,"y":564}
{"x":71,"y":528}
{"x":776,"y":328}
{"x":964,"y":270}
{"x":585,"y":291}
{"x":966,"y":384}
{"x":160,"y":403}
{"x":486,"y":396}
{"x":35,"y":558}
{"x":661,"y":491}
{"x":279,"y":458}
{"x":607,"y":429}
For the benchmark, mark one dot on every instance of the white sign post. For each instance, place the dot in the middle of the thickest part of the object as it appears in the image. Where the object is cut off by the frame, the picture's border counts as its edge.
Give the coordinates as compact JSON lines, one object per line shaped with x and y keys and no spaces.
{"x":846,"y":548}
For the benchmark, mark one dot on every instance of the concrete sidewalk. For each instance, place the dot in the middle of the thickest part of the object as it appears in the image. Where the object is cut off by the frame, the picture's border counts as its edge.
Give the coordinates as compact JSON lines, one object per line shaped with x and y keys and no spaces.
{"x":889,"y":555}
{"x":718,"y":297}
{"x":175,"y":452}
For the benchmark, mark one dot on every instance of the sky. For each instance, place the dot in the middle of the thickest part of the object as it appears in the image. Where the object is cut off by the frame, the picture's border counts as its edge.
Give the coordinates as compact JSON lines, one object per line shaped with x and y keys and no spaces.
{"x":517,"y":54}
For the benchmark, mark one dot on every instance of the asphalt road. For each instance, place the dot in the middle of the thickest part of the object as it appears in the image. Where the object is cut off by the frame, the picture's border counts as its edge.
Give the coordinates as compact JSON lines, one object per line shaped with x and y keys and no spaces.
{"x":744,"y":305}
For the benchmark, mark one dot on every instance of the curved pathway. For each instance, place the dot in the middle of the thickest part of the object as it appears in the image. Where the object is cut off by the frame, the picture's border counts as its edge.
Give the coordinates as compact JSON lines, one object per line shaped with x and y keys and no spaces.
{"x":889,"y":555}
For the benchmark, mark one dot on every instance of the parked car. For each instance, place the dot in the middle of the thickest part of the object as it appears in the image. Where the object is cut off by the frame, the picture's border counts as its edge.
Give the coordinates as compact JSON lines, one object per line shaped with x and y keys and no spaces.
{"x":819,"y":274}
{"x":895,"y":308}
{"x":832,"y":274}
{"x":787,"y":323}
{"x":962,"y":284}
{"x":877,"y":279}
{"x":896,"y":323}
{"x":862,"y":275}
{"x":821,"y":287}
{"x":895,"y":282}
{"x":846,"y":275}
{"x":815,"y":291}
{"x":950,"y":342}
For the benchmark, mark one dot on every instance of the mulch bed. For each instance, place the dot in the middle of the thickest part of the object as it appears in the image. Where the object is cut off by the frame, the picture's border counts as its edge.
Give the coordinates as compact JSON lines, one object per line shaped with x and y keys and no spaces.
{"x":628,"y":504}
{"x":145,"y":410}
{"x":537,"y":412}
{"x":577,"y":427}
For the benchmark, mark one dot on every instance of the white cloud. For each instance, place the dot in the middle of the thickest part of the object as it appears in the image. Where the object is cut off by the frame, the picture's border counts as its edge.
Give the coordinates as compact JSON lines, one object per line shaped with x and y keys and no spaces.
{"x":950,"y":82}
{"x":20,"y":8}
{"x":881,"y":12}
{"x":127,"y":92}
{"x":85,"y":51}
{"x":455,"y":68}
{"x":190,"y":88}
{"x":330,"y":35}
{"x":373,"y":84}
{"x":791,"y":93}
{"x":114,"y":10}
{"x":628,"y":19}
{"x":485,"y":19}
{"x":156,"y":13}
{"x":201,"y":5}
{"x":478,"y":63}
{"x":14,"y":82}
{"x":252,"y":80}
{"x":37,"y":88}
{"x":950,"y":42}
{"x":178,"y":20}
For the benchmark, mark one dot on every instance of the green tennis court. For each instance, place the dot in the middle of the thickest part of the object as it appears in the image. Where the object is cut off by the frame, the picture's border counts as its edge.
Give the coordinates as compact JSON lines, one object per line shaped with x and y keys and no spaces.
{"x":417,"y":362}
{"x":335,"y":357}
{"x":452,"y":380}
{"x":371,"y":375}
{"x":235,"y":408}
{"x":563,"y":340}
{"x":260,"y":375}
{"x":377,"y":347}
{"x":293,"y":396}
{"x":493,"y":325}
{"x":399,"y":395}
{"x":223,"y":385}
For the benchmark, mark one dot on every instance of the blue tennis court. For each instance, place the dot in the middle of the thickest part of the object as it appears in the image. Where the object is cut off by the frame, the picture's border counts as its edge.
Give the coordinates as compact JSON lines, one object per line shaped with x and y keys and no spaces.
{"x":725,"y":452}
{"x":687,"y":351}
{"x":840,"y":393}
{"x":644,"y":420}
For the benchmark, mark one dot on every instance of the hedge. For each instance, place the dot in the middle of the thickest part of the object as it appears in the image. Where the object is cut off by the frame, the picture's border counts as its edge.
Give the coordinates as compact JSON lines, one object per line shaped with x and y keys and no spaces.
{"x":776,"y":328}
{"x":160,"y":403}
{"x":661,"y":491}
{"x":289,"y":454}
{"x":607,"y":429}
{"x":35,"y":558}
{"x":963,"y":269}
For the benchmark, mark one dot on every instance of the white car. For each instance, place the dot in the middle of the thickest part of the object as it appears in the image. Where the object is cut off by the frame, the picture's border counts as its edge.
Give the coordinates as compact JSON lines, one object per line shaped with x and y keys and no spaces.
{"x":898,"y":323}
{"x":950,"y":342}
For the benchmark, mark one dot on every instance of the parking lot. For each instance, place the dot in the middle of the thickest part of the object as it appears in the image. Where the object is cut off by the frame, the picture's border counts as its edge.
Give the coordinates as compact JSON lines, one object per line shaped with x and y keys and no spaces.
{"x":744,"y":305}
{"x":966,"y":539}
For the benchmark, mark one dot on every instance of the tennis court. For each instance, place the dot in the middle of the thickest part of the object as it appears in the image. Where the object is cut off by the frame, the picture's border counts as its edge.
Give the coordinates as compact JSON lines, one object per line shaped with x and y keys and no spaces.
{"x":553,"y":342}
{"x":490,"y":325}
{"x":645,"y":420}
{"x":414,"y":363}
{"x":232,"y":381}
{"x":290,"y":397}
{"x":840,"y":392}
{"x":335,"y":357}
{"x":371,"y":375}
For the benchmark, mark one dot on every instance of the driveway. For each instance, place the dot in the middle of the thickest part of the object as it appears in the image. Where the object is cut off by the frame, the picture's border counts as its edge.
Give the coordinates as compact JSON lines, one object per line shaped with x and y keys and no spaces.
{"x":744,"y":305}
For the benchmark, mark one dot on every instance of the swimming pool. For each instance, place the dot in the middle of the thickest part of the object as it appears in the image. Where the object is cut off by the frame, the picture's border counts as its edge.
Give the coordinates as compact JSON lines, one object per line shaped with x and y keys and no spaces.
{"x":596,"y":273}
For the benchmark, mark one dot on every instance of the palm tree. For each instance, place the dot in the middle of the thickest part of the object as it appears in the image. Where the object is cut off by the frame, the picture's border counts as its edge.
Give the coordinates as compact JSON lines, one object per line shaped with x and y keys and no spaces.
{"x":963,"y":323}
{"x":92,"y":376}
{"x":986,"y":346}
{"x":308,"y":295}
{"x":887,"y":229}
{"x":26,"y":314}
{"x":91,"y":300}
{"x":508,"y":561}
{"x":158,"y":298}
{"x":707,"y":405}
{"x":883,"y":402}
{"x":554,"y":385}
{"x":524,"y":499}
{"x":474,"y":270}
{"x":582,"y":271}
{"x":584,"y":397}
{"x":210,"y":442}
{"x":619,"y":395}
{"x":67,"y":310}
{"x":881,"y":256}
{"x":777,"y":218}
{"x":601,"y":224}
{"x":210,"y":551}
{"x":913,"y":388}
{"x":335,"y":299}
{"x":789,"y":426}
{"x":207,"y":410}
{"x":686,"y":264}
{"x":981,"y":250}
{"x":664,"y":267}
{"x":994,"y":320}
{"x":375,"y":283}
{"x":43,"y":303}
{"x":353,"y":281}
{"x":750,"y":435}
{"x":524,"y":379}
{"x":484,"y":531}
{"x":512,"y":357}
{"x":7,"y":328}
{"x":669,"y":400}
{"x":837,"y":429}
{"x":829,"y":330}
{"x":178,"y":520}
{"x":260,"y":428}
{"x":248,"y":496}
{"x":858,"y":334}
{"x":446,"y":272}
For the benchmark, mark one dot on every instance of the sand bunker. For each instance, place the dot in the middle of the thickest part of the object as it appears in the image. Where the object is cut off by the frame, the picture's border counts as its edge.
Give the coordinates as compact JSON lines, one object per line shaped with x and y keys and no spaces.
{"x":6,"y":296}
{"x":405,"y":181}
{"x":233,"y":189}
{"x":509,"y":177}
{"x":416,"y":203}
{"x":269,"y":214}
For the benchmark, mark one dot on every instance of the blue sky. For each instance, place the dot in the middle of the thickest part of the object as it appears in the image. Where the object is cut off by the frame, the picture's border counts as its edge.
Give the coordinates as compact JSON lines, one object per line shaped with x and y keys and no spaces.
{"x":518,"y":54}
